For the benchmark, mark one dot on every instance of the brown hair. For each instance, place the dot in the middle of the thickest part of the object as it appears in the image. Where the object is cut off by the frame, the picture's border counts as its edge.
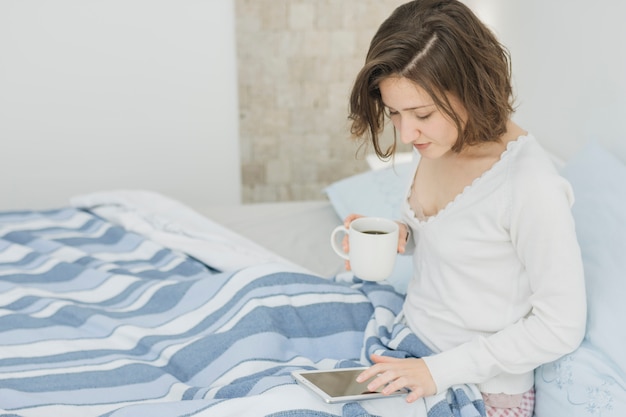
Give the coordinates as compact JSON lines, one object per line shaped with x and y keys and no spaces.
{"x":444,"y":48}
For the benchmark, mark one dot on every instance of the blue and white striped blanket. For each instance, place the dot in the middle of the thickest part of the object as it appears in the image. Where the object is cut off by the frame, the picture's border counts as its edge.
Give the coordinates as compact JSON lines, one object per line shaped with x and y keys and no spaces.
{"x":99,"y":321}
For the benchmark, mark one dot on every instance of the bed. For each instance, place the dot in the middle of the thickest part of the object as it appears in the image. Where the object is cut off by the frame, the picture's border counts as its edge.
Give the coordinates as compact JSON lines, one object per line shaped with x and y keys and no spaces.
{"x":128,"y":303}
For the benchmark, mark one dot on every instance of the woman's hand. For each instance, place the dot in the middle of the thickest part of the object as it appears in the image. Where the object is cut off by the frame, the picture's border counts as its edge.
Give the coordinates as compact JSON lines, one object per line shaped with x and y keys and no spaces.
{"x":394,"y":374}
{"x":403,"y":236}
{"x":346,"y":241}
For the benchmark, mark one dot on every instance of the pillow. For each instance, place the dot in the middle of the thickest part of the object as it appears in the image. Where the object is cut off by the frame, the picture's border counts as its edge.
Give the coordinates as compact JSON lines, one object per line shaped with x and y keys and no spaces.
{"x":583,"y":383}
{"x":376,"y":193}
{"x":592,"y":380}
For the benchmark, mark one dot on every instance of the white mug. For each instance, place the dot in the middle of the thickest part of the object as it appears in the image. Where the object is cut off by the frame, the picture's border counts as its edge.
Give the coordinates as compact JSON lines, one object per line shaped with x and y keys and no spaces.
{"x":373,"y":247}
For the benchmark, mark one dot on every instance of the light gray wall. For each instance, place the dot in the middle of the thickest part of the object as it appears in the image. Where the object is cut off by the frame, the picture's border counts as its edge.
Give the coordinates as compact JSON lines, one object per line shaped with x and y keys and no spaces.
{"x":569,"y":64}
{"x":143,"y":93}
{"x":97,"y":95}
{"x":299,"y":57}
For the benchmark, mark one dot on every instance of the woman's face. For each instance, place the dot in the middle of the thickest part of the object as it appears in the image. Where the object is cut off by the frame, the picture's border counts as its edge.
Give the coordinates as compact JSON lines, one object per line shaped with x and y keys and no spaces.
{"x":417,"y":119}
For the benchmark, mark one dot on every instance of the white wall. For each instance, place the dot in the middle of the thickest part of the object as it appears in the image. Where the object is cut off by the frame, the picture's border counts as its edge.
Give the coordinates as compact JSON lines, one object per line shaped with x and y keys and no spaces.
{"x":569,"y":64}
{"x":104,"y":94}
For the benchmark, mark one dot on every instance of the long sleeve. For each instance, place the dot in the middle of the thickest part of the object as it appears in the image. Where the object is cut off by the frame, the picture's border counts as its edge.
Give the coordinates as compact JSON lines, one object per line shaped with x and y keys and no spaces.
{"x":500,"y":278}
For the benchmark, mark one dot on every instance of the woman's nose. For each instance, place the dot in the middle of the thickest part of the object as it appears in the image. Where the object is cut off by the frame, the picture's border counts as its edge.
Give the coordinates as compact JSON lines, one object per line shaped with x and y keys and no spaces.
{"x":409,"y":131}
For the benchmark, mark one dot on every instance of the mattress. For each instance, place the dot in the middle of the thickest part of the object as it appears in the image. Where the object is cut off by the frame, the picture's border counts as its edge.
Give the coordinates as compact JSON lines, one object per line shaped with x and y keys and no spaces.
{"x":298,"y":231}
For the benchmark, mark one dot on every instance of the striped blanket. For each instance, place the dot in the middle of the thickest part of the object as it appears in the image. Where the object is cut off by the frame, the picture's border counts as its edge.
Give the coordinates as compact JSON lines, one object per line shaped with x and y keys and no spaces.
{"x":99,"y":321}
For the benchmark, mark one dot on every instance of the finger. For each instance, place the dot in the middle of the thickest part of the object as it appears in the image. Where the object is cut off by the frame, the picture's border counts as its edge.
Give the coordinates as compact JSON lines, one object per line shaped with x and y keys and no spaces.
{"x":415,"y":395}
{"x":387,"y":382}
{"x":345,"y":243}
{"x":402,"y":237}
{"x":383,"y":359}
{"x":395,"y":385}
{"x":401,"y":247}
{"x":401,"y":244}
{"x":370,"y":372}
{"x":350,"y":218}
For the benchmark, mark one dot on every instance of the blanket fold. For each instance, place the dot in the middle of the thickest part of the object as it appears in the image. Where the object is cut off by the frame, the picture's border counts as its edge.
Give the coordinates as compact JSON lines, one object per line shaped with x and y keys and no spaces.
{"x":387,"y":334}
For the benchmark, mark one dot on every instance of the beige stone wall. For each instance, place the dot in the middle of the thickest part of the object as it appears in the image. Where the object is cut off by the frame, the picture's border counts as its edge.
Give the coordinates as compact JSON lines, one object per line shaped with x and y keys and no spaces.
{"x":297,"y":60}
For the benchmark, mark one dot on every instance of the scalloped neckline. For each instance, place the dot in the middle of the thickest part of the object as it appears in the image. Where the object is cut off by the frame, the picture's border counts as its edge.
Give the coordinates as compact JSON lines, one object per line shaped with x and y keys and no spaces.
{"x":510,"y":148}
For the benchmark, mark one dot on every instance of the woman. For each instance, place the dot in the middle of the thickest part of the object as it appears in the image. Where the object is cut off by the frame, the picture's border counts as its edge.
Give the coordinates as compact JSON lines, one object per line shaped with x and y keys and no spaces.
{"x":498,"y":284}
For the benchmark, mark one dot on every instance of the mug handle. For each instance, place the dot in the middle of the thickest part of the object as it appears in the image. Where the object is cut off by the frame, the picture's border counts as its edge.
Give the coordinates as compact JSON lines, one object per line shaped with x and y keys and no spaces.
{"x":333,"y":241}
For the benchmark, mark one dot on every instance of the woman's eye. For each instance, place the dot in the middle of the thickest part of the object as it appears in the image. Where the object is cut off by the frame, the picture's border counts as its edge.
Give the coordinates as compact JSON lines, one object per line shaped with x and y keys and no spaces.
{"x":423,"y":116}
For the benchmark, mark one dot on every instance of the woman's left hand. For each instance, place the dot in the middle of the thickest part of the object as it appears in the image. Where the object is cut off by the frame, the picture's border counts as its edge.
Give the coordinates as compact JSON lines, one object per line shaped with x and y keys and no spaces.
{"x":394,"y":374}
{"x":403,"y":236}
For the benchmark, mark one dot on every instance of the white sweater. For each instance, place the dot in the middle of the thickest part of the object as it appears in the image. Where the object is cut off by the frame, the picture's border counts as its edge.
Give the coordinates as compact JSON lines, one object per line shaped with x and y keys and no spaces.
{"x":498,"y":285}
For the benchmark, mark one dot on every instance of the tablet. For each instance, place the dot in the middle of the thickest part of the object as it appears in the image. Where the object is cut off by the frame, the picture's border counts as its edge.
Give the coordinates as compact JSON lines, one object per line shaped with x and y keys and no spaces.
{"x":339,"y":385}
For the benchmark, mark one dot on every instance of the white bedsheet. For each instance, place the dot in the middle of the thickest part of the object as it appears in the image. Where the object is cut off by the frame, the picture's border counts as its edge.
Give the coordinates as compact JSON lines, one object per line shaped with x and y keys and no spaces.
{"x":298,"y":231}
{"x":180,"y":228}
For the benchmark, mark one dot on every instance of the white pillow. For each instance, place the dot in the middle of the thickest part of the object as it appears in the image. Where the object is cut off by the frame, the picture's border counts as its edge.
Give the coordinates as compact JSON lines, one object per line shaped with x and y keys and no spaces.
{"x":592,"y":380}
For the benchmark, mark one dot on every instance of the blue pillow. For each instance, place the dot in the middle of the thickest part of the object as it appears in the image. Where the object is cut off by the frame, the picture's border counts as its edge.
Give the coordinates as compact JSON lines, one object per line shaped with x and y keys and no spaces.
{"x":376,"y":193}
{"x":584,"y":383}
{"x":592,"y":380}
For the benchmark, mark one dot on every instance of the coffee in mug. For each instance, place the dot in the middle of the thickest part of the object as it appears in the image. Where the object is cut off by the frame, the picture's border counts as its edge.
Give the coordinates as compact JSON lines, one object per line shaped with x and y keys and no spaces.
{"x":373,"y":247}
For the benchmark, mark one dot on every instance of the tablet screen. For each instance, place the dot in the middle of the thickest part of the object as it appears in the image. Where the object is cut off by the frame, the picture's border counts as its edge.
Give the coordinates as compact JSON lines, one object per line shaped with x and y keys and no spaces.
{"x":339,"y":383}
